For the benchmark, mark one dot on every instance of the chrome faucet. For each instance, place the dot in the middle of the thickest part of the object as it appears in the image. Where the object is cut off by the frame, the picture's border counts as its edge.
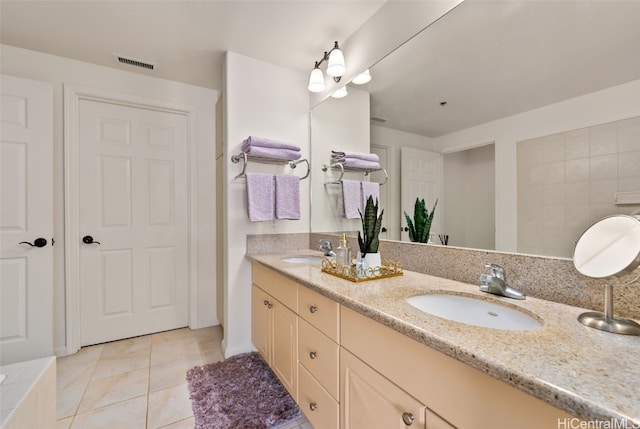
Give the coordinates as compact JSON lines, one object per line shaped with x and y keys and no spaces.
{"x":496,"y":283}
{"x":326,"y":247}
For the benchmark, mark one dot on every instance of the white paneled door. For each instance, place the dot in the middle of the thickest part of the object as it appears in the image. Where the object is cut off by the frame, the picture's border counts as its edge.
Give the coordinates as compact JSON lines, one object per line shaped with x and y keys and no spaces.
{"x":26,"y":219}
{"x":421,"y":177}
{"x":133,"y":204}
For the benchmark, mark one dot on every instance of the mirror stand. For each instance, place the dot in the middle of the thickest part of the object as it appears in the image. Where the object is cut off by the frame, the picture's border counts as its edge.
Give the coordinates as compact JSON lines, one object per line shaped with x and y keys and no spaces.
{"x":605,"y":321}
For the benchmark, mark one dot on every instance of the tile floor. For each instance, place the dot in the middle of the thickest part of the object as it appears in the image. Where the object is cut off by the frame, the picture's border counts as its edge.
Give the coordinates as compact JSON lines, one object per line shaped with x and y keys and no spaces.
{"x":138,"y":382}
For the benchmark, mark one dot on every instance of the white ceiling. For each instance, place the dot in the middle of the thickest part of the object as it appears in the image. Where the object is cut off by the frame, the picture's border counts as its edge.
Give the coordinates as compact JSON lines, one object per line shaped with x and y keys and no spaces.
{"x":185,"y":38}
{"x":492,"y":59}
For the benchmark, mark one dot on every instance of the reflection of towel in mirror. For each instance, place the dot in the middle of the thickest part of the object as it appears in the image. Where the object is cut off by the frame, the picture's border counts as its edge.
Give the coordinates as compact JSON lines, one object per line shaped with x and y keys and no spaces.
{"x":361,"y":163}
{"x":337,"y":156}
{"x":369,"y":189}
{"x":351,"y":199}
{"x":259,"y":196}
{"x":287,"y":196}
{"x":252,"y":141}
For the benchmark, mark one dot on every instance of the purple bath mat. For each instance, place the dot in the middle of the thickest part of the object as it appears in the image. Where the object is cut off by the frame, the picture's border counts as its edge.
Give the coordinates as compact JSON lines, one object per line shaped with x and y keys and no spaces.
{"x":240,"y":392}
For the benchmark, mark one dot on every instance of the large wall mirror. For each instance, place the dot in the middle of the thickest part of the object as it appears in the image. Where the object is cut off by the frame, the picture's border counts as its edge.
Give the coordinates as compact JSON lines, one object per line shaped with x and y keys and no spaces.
{"x":527,"y":111}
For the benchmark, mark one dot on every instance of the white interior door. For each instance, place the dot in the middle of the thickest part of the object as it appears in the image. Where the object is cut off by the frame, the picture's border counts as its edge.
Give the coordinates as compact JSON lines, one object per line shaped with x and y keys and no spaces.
{"x":133,"y":203}
{"x":26,"y":216}
{"x":421,"y":177}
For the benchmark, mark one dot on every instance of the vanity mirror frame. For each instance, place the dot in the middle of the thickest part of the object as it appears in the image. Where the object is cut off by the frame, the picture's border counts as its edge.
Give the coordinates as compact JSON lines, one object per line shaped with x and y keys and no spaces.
{"x":609,"y":250}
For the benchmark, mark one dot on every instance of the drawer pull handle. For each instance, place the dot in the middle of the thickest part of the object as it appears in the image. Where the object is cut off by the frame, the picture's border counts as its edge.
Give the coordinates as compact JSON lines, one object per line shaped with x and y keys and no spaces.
{"x":407,"y":419}
{"x":313,"y":406}
{"x":313,"y":355}
{"x":313,"y":309}
{"x":266,"y":302}
{"x":269,"y":305}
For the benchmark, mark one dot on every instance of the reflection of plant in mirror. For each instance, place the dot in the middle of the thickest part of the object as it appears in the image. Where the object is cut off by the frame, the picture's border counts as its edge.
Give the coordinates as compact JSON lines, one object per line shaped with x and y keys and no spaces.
{"x":421,"y":225}
{"x":371,"y":224}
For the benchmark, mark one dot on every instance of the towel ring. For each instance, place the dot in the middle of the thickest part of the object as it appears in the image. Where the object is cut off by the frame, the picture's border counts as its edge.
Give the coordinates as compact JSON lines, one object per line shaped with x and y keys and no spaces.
{"x":342,"y":169}
{"x":246,"y":158}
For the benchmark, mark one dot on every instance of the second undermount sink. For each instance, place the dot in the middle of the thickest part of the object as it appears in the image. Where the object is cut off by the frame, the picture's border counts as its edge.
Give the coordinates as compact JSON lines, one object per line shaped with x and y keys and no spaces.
{"x":305,"y":260}
{"x":474,"y":311}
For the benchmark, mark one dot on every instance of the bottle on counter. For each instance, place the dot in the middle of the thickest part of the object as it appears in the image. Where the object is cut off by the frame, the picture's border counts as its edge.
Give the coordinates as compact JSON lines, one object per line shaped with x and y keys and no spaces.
{"x":343,"y":254}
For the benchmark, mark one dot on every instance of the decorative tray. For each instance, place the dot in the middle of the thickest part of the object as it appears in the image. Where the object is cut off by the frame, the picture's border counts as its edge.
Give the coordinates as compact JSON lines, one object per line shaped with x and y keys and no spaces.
{"x":355,"y":274}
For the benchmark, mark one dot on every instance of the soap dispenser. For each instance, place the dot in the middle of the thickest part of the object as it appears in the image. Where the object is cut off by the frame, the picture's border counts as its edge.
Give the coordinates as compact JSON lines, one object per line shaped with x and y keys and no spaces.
{"x":343,"y":254}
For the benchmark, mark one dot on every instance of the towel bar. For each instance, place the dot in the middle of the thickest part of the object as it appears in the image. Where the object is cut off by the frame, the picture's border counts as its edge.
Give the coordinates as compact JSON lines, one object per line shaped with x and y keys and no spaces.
{"x":242,"y":156}
{"x":343,"y":169}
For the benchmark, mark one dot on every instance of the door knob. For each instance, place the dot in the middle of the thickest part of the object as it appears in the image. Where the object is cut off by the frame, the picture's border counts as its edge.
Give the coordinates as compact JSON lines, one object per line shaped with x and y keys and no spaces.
{"x":38,"y":242}
{"x":87,"y":239}
{"x":405,"y":229}
{"x":384,"y":229}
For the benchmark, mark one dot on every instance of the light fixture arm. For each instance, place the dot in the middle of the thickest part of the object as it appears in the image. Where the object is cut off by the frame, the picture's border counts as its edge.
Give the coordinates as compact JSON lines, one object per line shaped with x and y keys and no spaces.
{"x":325,"y":57}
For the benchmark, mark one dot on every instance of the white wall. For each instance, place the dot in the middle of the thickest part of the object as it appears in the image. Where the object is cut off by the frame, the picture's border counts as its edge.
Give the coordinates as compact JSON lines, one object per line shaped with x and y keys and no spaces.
{"x":340,"y":124}
{"x":612,"y":104}
{"x":469,"y":187}
{"x":265,"y":100}
{"x":58,"y":71}
{"x":396,"y":140}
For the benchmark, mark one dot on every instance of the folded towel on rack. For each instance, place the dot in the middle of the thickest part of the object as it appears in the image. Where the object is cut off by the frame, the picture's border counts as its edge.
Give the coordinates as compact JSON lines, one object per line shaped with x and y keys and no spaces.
{"x":351,"y":198}
{"x":259,"y":196}
{"x":273,"y":153}
{"x":287,"y":196}
{"x":337,"y":156}
{"x":360,"y":163}
{"x":369,"y":189}
{"x":252,"y":141}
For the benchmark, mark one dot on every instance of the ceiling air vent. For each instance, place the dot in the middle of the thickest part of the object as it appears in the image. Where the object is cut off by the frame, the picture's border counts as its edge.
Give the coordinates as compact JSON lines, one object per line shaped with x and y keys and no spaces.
{"x":135,"y":63}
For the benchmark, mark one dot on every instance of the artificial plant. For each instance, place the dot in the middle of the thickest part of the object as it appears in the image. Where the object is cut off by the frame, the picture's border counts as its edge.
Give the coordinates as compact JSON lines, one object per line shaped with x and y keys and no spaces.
{"x":421,"y":225}
{"x":371,"y":224}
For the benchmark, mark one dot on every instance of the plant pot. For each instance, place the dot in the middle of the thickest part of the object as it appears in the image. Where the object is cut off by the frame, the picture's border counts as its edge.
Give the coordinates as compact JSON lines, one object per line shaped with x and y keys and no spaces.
{"x":370,"y":260}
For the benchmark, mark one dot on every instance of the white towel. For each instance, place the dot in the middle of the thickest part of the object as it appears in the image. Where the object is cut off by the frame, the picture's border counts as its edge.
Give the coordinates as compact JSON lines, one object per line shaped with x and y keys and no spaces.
{"x":352,"y":198}
{"x":259,"y":196}
{"x":369,"y":189}
{"x":287,"y":197}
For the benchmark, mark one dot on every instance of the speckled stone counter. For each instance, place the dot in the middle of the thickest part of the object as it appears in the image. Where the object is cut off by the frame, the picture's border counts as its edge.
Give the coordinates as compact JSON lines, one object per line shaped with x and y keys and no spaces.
{"x":590,"y":374}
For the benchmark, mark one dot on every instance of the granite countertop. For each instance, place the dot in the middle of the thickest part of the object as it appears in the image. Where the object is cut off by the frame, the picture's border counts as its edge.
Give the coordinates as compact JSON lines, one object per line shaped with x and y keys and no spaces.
{"x":591,"y":374}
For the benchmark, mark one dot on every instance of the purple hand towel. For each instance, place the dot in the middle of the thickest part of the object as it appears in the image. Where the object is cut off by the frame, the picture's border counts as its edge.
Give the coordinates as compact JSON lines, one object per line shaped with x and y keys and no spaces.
{"x":351,"y":198}
{"x":269,"y":152}
{"x":369,"y":189}
{"x":287,"y":196}
{"x":252,"y":141}
{"x":259,"y":196}
{"x":360,"y":163}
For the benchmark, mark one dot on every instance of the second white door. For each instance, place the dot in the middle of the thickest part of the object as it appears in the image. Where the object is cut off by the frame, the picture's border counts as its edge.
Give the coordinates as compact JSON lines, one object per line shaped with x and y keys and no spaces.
{"x":133,"y":203}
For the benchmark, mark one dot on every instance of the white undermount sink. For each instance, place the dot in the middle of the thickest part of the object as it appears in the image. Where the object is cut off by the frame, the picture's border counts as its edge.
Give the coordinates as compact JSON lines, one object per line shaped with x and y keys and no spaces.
{"x":304,"y":259}
{"x":474,"y":311}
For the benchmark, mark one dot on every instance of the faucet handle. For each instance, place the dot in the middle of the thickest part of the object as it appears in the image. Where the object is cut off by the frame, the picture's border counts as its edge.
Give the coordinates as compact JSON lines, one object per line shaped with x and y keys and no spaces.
{"x":497,"y":271}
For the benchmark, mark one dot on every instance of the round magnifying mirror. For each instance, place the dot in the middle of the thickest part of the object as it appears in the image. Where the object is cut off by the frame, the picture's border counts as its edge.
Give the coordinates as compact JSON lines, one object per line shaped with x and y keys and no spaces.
{"x":609,"y":250}
{"x":609,"y":247}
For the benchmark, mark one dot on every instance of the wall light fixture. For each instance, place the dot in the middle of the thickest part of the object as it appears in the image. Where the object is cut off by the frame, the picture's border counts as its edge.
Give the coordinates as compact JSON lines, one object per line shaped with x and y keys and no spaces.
{"x":335,"y":69}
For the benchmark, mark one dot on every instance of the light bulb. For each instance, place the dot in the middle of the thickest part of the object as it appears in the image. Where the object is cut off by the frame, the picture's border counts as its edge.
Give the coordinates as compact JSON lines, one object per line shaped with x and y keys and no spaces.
{"x":362,"y":78}
{"x":336,"y":65}
{"x":316,"y":80}
{"x":340,"y":92}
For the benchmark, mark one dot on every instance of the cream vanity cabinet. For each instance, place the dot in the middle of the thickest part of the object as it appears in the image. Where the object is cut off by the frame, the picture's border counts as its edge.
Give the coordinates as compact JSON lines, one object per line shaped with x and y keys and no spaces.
{"x":318,"y":358}
{"x":274,"y":324}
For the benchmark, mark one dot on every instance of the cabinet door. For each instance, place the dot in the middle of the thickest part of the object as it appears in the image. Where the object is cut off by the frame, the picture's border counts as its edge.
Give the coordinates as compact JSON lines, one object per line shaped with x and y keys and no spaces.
{"x":284,"y":354}
{"x":371,"y":401}
{"x":261,"y":322}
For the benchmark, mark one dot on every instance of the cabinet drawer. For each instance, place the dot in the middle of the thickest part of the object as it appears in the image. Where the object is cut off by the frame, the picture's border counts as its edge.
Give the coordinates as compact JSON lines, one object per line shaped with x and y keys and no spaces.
{"x":319,"y":355}
{"x":315,"y":402}
{"x":320,"y":311}
{"x":278,"y":286}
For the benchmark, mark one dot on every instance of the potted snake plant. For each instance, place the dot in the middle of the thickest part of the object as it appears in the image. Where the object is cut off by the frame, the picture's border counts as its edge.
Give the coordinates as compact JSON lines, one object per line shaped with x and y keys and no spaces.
{"x":369,"y":240}
{"x":421,"y":226}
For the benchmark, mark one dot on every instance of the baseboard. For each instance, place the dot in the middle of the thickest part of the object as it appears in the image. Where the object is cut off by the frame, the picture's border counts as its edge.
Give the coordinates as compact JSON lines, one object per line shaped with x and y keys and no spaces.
{"x":237,"y":350}
{"x":60,"y":351}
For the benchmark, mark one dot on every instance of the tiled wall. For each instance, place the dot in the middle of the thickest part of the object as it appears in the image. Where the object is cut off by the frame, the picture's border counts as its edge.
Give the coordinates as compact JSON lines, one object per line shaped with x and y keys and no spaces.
{"x":567,"y":181}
